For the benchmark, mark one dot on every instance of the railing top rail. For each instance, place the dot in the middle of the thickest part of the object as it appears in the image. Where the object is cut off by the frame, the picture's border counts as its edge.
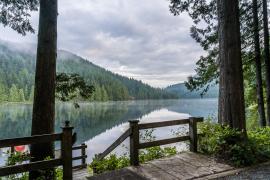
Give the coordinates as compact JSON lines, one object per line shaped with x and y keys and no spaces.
{"x":30,"y":140}
{"x":163,"y":124}
{"x":79,"y":147}
{"x":197,"y":119}
{"x":168,"y":123}
{"x":149,"y":126}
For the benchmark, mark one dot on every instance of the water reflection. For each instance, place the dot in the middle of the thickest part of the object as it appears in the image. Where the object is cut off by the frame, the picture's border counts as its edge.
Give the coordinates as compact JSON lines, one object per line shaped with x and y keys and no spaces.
{"x":89,"y":120}
{"x":99,"y":124}
{"x":102,"y":141}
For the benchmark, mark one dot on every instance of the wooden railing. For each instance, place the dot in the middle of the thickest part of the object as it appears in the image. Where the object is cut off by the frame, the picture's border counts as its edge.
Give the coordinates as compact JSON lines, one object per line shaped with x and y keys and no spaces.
{"x":82,"y":157}
{"x":65,"y":159}
{"x":135,"y":145}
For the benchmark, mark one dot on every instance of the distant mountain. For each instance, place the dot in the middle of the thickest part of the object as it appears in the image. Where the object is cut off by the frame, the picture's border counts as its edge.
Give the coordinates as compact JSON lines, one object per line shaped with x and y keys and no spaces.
{"x":182,"y":91}
{"x":17,"y":69}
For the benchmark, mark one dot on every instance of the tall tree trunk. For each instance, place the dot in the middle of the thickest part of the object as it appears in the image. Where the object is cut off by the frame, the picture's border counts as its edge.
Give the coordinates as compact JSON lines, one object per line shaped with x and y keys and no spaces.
{"x":266,"y":57}
{"x":231,"y":93}
{"x":44,"y":98}
{"x":260,"y":99}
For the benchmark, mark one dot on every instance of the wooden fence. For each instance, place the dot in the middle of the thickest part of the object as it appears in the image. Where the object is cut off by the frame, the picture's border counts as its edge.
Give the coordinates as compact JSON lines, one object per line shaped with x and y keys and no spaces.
{"x":135,"y":145}
{"x":82,"y":157}
{"x":65,"y":159}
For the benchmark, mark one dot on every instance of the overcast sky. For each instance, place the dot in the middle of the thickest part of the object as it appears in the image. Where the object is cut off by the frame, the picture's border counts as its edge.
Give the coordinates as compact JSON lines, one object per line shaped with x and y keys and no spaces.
{"x":135,"y":38}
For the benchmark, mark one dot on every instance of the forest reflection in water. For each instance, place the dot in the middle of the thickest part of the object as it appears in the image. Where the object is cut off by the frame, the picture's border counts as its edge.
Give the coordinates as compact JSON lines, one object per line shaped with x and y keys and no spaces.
{"x":100,"y":123}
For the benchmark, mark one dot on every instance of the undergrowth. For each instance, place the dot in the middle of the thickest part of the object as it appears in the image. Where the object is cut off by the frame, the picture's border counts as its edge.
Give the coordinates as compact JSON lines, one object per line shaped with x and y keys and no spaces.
{"x":114,"y":162}
{"x":17,"y":158}
{"x":236,"y":147}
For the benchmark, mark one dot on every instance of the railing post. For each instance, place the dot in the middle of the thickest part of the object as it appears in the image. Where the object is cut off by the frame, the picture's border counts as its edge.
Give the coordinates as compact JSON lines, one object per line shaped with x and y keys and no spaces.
{"x":134,"y":143}
{"x":66,"y":151}
{"x":83,"y":154}
{"x":12,"y":149}
{"x":193,"y":134}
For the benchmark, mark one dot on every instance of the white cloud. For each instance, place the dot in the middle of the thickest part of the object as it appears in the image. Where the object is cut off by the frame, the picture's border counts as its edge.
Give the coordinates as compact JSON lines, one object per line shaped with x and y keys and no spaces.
{"x":136,"y":38}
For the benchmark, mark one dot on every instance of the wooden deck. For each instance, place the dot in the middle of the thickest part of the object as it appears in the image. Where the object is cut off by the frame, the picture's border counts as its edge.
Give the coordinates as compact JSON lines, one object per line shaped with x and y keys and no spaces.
{"x":186,"y":165}
{"x":80,"y":174}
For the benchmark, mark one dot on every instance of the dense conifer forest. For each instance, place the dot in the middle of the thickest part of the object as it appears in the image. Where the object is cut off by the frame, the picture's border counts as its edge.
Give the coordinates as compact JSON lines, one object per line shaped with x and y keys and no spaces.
{"x":17,"y":68}
{"x":184,"y":93}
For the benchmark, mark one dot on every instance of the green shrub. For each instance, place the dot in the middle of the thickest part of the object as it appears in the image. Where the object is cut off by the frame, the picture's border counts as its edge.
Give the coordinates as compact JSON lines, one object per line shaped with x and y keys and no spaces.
{"x":19,"y":158}
{"x":234,"y":146}
{"x":15,"y":159}
{"x":156,"y":152}
{"x":260,"y":137}
{"x":113,"y":162}
{"x":59,"y":173}
{"x":108,"y":164}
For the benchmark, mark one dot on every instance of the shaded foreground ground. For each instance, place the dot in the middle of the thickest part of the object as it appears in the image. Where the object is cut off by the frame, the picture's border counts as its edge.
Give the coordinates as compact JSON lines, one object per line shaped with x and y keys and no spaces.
{"x":260,"y":172}
{"x":182,"y":166}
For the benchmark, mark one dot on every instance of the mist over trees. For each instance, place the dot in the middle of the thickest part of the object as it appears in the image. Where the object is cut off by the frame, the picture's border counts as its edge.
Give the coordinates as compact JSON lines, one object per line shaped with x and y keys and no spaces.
{"x":18,"y":68}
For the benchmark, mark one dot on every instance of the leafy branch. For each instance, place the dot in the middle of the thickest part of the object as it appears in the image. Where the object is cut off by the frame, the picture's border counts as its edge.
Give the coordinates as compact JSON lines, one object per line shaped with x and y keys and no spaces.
{"x":71,"y":86}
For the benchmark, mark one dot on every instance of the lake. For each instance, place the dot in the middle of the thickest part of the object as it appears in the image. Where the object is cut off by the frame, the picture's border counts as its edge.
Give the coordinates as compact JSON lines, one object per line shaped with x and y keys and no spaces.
{"x":98,"y":124}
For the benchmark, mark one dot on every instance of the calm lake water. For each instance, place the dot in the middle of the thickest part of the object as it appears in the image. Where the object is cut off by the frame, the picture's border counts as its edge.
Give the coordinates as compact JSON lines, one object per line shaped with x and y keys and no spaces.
{"x":99,"y":124}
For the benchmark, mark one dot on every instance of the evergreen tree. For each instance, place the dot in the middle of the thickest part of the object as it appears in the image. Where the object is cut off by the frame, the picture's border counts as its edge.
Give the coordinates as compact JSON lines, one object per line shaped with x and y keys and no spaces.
{"x":257,"y":52}
{"x":231,"y":90}
{"x":104,"y":94}
{"x":14,"y":94}
{"x":207,"y":70}
{"x":26,"y":92}
{"x":21,"y":95}
{"x":16,"y":61}
{"x":31,"y":95}
{"x":43,"y":115}
{"x":97,"y":94}
{"x":266,"y":57}
{"x":3,"y":93}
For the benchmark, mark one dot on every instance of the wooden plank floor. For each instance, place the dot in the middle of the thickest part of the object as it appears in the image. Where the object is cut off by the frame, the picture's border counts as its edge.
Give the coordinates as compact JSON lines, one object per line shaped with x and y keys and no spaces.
{"x":80,"y":174}
{"x":182,"y":166}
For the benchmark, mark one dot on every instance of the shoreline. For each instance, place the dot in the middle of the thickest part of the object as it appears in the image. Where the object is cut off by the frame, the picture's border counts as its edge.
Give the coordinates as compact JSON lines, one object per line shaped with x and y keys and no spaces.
{"x":81,"y":102}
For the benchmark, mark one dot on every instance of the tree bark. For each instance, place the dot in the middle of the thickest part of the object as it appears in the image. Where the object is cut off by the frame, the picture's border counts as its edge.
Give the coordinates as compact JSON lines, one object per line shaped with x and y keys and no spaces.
{"x":258,"y":65}
{"x":44,"y":97}
{"x":231,"y":91}
{"x":266,"y":57}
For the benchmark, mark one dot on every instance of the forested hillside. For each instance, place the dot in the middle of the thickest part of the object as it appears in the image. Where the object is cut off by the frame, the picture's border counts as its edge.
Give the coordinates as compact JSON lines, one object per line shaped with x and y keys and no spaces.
{"x":182,"y":91}
{"x":17,"y":69}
